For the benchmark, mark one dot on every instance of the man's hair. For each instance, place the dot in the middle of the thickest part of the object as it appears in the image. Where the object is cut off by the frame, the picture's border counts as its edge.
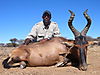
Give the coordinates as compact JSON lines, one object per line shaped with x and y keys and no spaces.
{"x":46,"y":13}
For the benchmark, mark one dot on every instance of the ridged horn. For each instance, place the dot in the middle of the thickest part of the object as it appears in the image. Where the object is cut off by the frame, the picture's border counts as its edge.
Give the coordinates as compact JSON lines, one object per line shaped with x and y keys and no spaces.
{"x":75,"y":32}
{"x":84,"y":31}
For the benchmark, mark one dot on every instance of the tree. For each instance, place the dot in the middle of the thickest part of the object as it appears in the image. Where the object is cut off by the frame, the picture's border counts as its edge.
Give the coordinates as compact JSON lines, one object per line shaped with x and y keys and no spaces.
{"x":13,"y":41}
{"x":9,"y":45}
{"x":2,"y":44}
{"x":98,"y":38}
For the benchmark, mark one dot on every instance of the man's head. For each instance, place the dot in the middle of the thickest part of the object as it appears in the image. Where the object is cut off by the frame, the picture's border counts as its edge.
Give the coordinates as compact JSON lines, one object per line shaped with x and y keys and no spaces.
{"x":46,"y":17}
{"x":46,"y":13}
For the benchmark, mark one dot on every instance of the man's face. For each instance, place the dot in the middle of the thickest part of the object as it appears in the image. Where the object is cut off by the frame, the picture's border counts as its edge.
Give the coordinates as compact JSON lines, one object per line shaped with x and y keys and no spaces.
{"x":46,"y":18}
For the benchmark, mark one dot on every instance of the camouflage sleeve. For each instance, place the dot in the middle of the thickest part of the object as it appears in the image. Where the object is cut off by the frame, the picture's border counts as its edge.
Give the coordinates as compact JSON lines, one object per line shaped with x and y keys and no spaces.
{"x":56,"y":31}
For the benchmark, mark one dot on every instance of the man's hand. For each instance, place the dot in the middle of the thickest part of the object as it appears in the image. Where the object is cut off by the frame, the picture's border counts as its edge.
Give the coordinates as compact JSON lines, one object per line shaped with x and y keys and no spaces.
{"x":27,"y":41}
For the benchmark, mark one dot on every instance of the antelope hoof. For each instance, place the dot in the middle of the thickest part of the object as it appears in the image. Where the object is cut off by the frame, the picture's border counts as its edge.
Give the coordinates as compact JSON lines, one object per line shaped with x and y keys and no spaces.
{"x":22,"y":65}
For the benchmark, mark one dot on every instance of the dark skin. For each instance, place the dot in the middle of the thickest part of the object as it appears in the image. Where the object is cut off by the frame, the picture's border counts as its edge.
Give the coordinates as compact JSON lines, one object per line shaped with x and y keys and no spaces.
{"x":46,"y":21}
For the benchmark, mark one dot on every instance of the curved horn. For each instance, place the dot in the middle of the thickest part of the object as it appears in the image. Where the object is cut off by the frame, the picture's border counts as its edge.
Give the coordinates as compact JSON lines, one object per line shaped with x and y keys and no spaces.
{"x":84,"y":31}
{"x":75,"y":32}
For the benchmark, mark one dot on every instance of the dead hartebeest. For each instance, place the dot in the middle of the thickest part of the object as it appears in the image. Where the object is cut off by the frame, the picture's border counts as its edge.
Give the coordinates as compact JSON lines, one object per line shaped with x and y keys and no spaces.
{"x":79,"y":51}
{"x":44,"y":53}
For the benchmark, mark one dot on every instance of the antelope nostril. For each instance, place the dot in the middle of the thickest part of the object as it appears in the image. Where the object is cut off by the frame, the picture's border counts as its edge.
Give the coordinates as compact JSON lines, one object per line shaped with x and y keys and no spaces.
{"x":83,"y":68}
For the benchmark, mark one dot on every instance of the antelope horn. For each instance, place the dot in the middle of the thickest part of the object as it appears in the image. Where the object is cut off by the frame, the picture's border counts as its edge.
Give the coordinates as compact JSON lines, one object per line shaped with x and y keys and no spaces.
{"x":84,"y":31}
{"x":75,"y":32}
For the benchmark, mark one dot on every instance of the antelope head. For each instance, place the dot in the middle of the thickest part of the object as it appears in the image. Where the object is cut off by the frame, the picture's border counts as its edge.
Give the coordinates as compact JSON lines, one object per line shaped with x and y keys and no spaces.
{"x":80,"y":39}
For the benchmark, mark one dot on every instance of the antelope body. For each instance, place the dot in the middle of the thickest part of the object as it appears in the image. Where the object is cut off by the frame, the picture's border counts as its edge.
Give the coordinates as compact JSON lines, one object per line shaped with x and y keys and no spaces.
{"x":44,"y":53}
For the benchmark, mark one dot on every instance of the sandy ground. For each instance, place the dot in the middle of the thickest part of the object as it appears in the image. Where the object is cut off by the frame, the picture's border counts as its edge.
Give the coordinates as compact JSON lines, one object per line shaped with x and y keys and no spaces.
{"x":93,"y":60}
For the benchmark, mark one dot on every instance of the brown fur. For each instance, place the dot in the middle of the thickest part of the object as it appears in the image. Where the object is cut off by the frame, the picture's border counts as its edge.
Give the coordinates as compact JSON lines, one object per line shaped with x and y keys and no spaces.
{"x":42,"y":53}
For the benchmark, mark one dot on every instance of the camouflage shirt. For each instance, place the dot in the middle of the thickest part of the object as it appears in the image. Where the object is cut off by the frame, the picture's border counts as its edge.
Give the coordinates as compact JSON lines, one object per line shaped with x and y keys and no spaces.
{"x":39,"y":31}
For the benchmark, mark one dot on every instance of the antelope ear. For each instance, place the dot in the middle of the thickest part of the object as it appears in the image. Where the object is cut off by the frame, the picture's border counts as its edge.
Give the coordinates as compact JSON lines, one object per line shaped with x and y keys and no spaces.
{"x":69,"y":42}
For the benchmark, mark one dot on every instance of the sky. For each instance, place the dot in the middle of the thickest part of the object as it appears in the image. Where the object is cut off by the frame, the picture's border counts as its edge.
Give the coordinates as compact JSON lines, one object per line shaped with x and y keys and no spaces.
{"x":17,"y":17}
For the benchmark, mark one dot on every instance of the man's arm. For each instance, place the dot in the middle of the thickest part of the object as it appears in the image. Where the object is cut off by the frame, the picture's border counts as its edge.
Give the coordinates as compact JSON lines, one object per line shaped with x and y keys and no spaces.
{"x":31,"y":35}
{"x":56,"y":31}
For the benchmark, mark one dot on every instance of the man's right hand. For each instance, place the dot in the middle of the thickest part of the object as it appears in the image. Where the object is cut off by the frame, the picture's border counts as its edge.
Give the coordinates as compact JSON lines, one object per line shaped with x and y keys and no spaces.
{"x":27,"y":41}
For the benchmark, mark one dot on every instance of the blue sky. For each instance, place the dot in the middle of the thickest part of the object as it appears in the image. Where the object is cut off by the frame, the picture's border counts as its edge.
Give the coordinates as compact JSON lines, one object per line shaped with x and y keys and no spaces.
{"x":18,"y":16}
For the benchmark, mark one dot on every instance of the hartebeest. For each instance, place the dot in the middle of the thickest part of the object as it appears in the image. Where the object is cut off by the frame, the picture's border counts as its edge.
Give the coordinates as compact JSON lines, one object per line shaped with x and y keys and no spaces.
{"x":44,"y":53}
{"x":79,"y":51}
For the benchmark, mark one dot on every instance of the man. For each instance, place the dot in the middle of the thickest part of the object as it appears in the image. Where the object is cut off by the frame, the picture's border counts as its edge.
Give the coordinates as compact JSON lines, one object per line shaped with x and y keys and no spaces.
{"x":43,"y":30}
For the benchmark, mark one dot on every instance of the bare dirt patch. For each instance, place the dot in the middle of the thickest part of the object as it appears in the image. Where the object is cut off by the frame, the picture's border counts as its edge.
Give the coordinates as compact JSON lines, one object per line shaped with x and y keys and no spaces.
{"x":93,"y":60}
